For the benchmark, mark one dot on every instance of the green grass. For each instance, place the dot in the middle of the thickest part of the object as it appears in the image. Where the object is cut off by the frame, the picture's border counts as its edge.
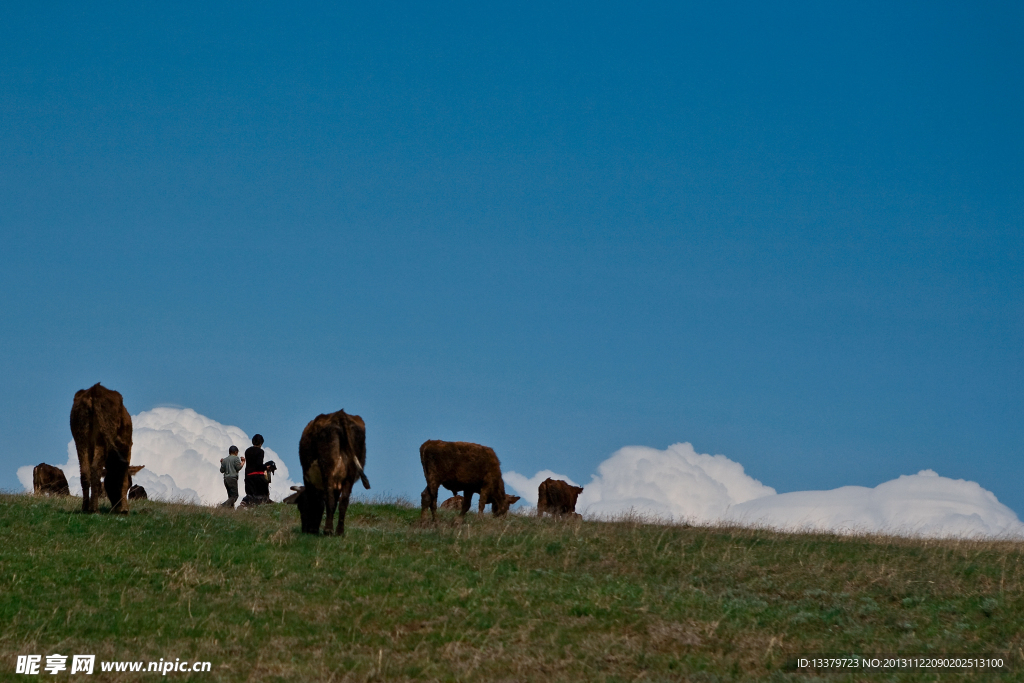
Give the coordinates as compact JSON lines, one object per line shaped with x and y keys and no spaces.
{"x":516,"y":599}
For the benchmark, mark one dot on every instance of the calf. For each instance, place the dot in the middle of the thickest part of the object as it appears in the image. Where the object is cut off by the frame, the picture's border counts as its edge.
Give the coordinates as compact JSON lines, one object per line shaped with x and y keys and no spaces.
{"x":453,"y":503}
{"x":556,"y":497}
{"x":48,"y":480}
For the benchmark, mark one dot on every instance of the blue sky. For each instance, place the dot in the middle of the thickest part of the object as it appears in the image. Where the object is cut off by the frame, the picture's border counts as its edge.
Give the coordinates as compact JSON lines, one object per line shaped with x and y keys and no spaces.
{"x":790,"y":235}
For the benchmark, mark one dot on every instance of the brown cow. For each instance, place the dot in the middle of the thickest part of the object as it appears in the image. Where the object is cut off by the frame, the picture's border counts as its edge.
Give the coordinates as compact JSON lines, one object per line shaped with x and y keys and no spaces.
{"x":466,"y":467}
{"x":48,"y":480}
{"x":332,"y":451}
{"x":102,"y":429}
{"x":557,"y":497}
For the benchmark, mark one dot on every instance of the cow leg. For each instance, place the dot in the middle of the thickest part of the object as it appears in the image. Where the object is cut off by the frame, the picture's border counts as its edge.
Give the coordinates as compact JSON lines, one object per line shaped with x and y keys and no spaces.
{"x":116,"y":482}
{"x":95,"y":488}
{"x":346,"y":491}
{"x":467,"y":502}
{"x":95,"y":474}
{"x":331,"y":500}
{"x":86,"y":483}
{"x":428,"y":499}
{"x":86,"y":474}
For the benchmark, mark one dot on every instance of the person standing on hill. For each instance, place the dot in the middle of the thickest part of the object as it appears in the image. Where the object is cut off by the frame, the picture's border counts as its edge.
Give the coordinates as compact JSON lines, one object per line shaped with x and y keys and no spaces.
{"x":229,"y":467}
{"x":256,"y":483}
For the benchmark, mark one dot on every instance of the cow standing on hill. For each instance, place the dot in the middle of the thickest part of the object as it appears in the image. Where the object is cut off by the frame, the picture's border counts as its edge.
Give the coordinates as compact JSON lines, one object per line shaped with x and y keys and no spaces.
{"x":557,"y":497}
{"x":332,"y":451}
{"x":466,"y":467}
{"x":48,"y":480}
{"x":102,"y":429}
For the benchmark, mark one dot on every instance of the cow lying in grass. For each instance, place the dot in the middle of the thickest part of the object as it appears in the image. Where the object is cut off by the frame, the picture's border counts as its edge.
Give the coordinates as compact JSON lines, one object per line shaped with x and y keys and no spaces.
{"x":453,"y":503}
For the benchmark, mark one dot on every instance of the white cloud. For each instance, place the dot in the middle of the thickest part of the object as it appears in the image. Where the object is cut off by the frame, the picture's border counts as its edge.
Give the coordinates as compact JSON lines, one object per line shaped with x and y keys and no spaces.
{"x":527,"y":488}
{"x":181,"y":450}
{"x":676,"y":483}
{"x":922,"y":504}
{"x":680,"y":484}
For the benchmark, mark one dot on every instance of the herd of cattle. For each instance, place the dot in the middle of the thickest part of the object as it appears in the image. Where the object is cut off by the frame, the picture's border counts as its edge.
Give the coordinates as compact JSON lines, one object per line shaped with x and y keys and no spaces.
{"x":332,"y":452}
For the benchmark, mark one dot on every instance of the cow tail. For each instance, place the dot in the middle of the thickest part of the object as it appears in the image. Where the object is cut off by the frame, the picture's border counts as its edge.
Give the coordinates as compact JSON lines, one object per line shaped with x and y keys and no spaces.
{"x":362,"y":474}
{"x":346,"y":437}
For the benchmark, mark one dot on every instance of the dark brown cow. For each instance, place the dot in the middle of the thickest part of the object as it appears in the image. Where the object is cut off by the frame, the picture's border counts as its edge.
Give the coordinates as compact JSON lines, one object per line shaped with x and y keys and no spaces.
{"x":464,"y":467}
{"x":102,"y":429}
{"x":48,"y":480}
{"x":557,"y":497}
{"x":332,"y":451}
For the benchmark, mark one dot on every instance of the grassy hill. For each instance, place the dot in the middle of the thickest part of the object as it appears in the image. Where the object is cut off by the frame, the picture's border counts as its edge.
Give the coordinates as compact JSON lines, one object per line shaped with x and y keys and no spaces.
{"x":517,"y":599}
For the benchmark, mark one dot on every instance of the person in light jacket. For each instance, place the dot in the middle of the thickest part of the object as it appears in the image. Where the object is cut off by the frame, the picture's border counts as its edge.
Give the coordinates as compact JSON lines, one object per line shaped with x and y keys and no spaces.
{"x":230,"y":467}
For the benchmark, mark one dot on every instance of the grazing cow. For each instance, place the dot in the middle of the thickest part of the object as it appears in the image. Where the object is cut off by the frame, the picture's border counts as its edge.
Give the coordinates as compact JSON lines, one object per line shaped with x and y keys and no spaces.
{"x":332,"y":451}
{"x":293,"y":498}
{"x":464,"y":467}
{"x":557,"y":497}
{"x":102,"y":429}
{"x":48,"y":480}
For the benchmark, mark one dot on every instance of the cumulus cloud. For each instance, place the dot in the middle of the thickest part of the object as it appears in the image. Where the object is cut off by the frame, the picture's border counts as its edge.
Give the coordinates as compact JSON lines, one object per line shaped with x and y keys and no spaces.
{"x":676,"y":483}
{"x":181,"y":450}
{"x":682,"y":485}
{"x":922,"y":504}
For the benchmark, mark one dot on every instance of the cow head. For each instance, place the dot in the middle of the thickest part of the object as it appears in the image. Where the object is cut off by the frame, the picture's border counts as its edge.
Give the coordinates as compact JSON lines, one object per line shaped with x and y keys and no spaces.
{"x":311,"y":510}
{"x":293,"y":498}
{"x":501,"y":506}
